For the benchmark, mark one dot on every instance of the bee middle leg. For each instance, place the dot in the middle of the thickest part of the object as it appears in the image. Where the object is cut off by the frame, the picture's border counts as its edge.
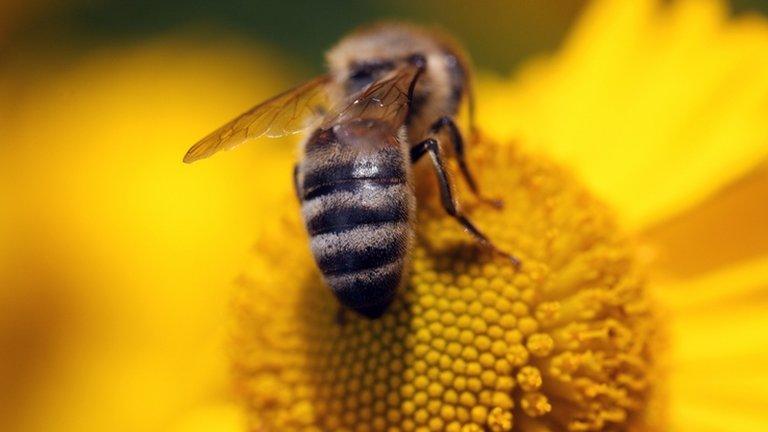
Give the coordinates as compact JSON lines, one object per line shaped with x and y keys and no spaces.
{"x":431,"y":147}
{"x":457,"y":141}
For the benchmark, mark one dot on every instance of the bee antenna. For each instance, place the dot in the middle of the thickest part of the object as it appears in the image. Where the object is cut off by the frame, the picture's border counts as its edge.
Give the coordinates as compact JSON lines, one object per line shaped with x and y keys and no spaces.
{"x":412,"y":86}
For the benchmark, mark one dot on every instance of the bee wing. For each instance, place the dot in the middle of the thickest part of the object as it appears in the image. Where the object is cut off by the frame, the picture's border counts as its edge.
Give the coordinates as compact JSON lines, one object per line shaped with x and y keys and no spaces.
{"x":284,"y":114}
{"x":387,"y":99}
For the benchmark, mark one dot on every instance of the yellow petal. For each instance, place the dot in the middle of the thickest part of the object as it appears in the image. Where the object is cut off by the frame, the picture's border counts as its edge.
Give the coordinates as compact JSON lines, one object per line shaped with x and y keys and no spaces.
{"x":655,"y":106}
{"x":728,"y":228}
{"x":719,"y":332}
{"x":738,"y":285}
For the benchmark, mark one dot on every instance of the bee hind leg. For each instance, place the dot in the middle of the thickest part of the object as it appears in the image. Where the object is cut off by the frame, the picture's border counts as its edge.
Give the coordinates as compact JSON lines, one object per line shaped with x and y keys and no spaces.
{"x":457,"y":141}
{"x":431,"y":147}
{"x":296,"y":186}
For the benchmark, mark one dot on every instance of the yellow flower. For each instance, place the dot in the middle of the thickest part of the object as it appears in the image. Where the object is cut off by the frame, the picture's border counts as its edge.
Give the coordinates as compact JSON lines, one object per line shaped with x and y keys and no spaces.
{"x":568,"y":341}
{"x":656,"y":107}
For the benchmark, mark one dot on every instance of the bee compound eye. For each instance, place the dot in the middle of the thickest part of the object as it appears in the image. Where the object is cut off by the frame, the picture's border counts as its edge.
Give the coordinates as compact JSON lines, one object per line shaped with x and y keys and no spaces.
{"x":360,"y":77}
{"x":418,"y":60}
{"x":361,"y":74}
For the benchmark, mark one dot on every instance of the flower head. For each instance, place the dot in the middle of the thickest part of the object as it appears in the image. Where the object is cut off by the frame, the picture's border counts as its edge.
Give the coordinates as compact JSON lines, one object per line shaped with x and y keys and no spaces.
{"x":471,"y":343}
{"x":660,"y":108}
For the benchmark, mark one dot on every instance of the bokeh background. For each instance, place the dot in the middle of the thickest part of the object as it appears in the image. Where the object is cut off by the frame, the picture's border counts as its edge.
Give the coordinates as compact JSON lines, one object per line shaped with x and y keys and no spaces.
{"x":115,"y":257}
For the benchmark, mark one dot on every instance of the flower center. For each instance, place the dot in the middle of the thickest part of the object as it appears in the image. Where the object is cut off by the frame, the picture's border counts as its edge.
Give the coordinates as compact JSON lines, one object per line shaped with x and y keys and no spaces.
{"x":471,"y":343}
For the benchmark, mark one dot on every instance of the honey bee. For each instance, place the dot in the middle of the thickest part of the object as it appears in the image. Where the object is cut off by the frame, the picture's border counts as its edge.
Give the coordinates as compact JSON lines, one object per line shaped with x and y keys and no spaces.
{"x":390,"y":91}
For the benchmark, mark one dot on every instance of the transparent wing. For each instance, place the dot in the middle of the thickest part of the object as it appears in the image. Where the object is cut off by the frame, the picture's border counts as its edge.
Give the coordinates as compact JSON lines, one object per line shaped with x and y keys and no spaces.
{"x":387,"y":99}
{"x":287,"y":113}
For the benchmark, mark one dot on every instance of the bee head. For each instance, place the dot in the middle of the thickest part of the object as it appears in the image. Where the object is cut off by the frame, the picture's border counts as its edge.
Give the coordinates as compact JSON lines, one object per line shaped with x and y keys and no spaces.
{"x":372,"y":52}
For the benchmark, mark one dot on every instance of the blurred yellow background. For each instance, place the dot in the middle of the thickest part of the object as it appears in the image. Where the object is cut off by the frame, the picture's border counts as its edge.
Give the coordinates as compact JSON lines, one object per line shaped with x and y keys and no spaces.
{"x":115,"y":257}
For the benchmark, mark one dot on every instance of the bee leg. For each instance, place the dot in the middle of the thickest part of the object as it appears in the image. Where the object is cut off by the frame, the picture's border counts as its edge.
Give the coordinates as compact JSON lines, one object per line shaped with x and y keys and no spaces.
{"x":296,"y":187}
{"x":446,"y":194}
{"x":471,"y":112}
{"x":458,"y":145}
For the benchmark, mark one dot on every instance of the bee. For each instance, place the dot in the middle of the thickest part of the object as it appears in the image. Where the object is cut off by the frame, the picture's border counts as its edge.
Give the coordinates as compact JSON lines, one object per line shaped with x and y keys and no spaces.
{"x":391,"y":91}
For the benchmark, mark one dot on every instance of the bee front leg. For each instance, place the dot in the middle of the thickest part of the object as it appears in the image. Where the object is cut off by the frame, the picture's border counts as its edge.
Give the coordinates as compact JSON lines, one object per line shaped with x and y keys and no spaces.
{"x":446,"y":194}
{"x":458,"y":145}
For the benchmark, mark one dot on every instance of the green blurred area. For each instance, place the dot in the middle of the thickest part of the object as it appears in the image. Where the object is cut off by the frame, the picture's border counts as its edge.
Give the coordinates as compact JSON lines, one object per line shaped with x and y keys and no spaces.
{"x":498,"y":33}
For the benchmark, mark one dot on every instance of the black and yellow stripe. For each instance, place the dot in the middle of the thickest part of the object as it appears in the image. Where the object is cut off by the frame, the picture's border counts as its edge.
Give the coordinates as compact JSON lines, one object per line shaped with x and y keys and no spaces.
{"x":357,"y":206}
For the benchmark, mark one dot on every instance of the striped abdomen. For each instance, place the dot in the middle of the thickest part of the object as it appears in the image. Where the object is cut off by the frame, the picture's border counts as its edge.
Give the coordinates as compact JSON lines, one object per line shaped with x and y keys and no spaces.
{"x":357,"y":205}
